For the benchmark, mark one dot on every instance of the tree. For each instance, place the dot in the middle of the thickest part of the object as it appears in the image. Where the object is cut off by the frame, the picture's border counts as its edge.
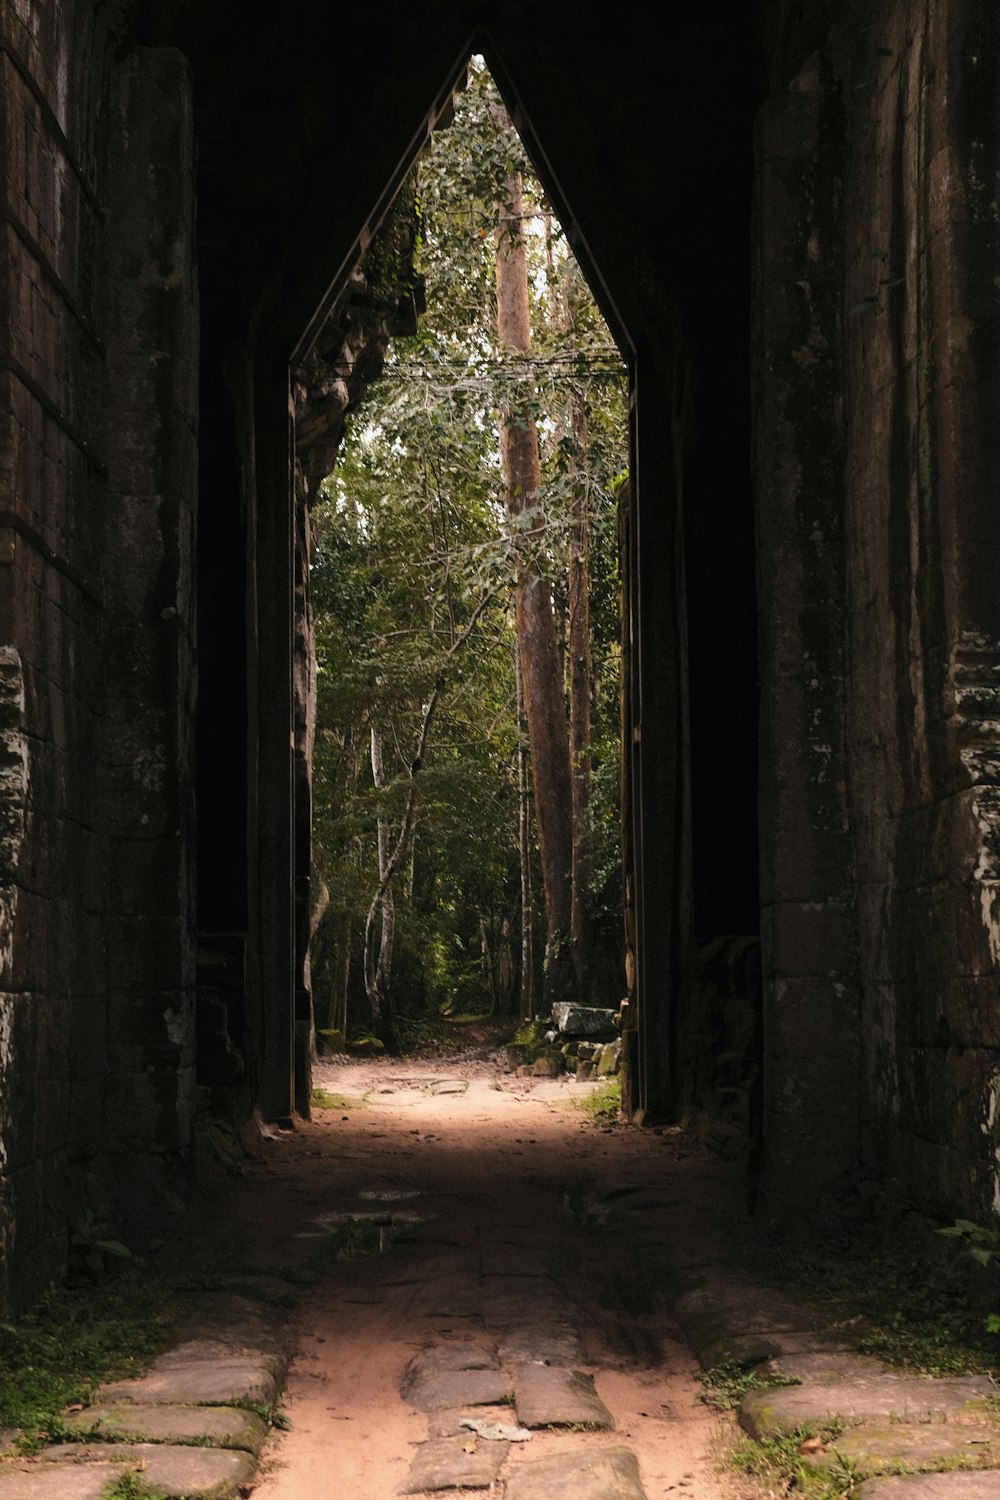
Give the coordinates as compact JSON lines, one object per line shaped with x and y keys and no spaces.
{"x":437,"y":543}
{"x":539,"y":657}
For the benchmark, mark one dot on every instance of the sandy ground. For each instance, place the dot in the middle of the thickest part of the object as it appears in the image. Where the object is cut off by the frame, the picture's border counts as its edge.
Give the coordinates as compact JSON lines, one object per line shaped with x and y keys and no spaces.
{"x":502,"y":1194}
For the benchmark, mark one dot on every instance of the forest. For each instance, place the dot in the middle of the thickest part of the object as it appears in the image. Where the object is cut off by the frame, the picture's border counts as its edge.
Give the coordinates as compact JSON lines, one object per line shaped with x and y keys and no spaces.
{"x":465,"y":598}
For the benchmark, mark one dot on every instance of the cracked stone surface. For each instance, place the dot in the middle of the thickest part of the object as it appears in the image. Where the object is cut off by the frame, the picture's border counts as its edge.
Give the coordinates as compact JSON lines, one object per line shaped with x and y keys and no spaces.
{"x":608,"y":1474}
{"x":448,"y":1464}
{"x":215,"y":1426}
{"x":550,"y":1396}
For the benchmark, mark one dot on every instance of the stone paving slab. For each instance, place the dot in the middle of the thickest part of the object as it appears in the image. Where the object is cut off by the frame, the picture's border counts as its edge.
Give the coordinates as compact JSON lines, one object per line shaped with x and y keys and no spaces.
{"x":509,"y":1302}
{"x":745,"y":1323}
{"x":211,"y":1426}
{"x":447,"y":1464}
{"x":513,"y":1260}
{"x":542,"y":1343}
{"x":778,"y":1411}
{"x":41,"y":1481}
{"x":446,"y":1299}
{"x":176,"y":1471}
{"x":551,"y":1396}
{"x":434,"y":1390}
{"x":826,"y":1367}
{"x":605,"y":1474}
{"x":877,"y":1448}
{"x":984,"y":1485}
{"x":441,"y":1357}
{"x":202,"y":1373}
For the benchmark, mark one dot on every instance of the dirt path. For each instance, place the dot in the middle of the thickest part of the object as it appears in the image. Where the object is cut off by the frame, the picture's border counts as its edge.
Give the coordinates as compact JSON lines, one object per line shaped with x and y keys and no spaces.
{"x":510,"y":1221}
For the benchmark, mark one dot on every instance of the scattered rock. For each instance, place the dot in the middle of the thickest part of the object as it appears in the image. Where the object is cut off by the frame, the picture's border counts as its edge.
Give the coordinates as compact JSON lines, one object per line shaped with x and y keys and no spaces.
{"x":610,"y":1060}
{"x":547,"y":1066}
{"x":583,"y":1020}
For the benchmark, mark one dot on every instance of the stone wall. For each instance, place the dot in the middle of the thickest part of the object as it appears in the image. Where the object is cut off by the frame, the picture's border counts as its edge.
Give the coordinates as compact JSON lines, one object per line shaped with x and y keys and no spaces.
{"x":877,"y":455}
{"x":96,"y":446}
{"x":130,"y":616}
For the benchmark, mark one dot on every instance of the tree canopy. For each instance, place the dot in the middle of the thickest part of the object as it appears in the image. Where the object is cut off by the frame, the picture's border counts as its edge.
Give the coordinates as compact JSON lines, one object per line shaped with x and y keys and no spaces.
{"x":417,"y":552}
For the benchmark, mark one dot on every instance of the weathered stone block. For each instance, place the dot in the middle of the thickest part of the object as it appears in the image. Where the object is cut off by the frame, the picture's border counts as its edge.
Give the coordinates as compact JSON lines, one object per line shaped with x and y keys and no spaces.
{"x":583,"y":1020}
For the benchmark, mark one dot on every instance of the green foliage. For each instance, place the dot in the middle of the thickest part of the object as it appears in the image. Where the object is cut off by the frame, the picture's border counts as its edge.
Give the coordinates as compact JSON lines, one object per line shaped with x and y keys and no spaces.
{"x":73,"y":1340}
{"x":415,"y":549}
{"x":604,"y":1103}
{"x":917,"y":1316}
{"x":130,"y":1486}
{"x":727,"y":1383}
{"x":983,"y":1246}
{"x":93,"y":1248}
{"x":779,"y":1465}
{"x":323,"y":1099}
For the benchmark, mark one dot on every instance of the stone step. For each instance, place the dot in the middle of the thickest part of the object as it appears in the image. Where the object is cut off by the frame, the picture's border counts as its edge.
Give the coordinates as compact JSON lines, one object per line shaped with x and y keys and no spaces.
{"x":884,"y":1447}
{"x":212,"y":1426}
{"x":863,"y":1396}
{"x":203,"y":1372}
{"x":174,"y":1471}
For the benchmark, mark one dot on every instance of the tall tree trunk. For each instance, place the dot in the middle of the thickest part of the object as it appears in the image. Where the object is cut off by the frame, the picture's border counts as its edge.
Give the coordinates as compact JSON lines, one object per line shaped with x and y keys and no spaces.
{"x":342,"y":975}
{"x":381,"y":917}
{"x":580,"y":677}
{"x":541,"y":662}
{"x":524,"y":845}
